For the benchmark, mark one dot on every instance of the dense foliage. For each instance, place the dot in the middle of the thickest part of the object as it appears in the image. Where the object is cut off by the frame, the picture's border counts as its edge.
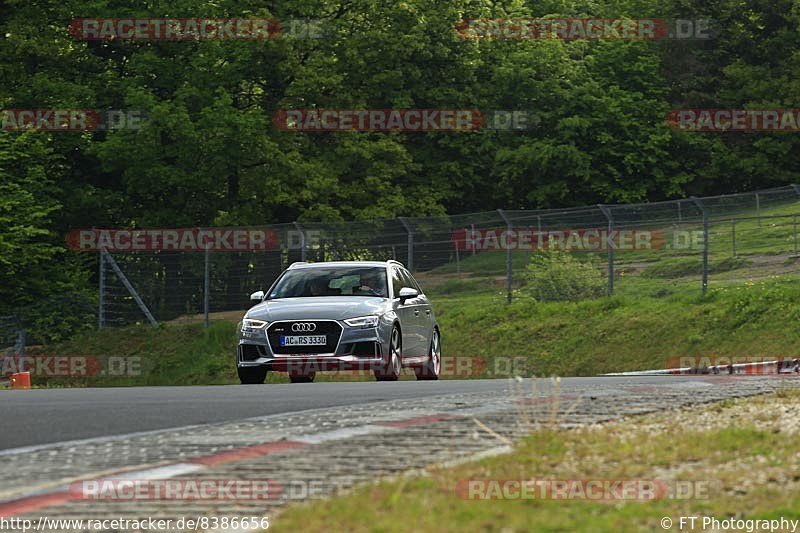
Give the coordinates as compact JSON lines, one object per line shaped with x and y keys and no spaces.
{"x":209,"y":153}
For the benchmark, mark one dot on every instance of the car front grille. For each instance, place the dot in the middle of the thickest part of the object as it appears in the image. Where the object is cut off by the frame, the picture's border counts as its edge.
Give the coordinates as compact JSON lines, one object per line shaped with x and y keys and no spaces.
{"x":330,"y":328}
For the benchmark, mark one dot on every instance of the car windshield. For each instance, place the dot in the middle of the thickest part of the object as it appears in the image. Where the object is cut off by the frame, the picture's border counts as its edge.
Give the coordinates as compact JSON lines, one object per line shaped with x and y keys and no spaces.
{"x":331,"y":281}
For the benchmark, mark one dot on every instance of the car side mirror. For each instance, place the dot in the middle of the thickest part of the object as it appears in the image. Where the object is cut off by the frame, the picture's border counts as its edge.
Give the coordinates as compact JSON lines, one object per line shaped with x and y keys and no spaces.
{"x":407,"y":293}
{"x":257,"y":296}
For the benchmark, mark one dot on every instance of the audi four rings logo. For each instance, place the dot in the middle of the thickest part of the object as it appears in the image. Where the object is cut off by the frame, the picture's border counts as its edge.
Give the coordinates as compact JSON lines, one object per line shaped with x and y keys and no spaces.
{"x":304,"y":326}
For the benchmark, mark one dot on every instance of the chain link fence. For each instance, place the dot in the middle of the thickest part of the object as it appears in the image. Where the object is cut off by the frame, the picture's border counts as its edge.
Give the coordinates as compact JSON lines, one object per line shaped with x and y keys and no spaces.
{"x":654,"y":248}
{"x":12,"y":343}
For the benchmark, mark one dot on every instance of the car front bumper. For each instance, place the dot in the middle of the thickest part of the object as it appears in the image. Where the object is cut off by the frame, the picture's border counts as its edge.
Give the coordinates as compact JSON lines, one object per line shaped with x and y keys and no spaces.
{"x":358,"y":349}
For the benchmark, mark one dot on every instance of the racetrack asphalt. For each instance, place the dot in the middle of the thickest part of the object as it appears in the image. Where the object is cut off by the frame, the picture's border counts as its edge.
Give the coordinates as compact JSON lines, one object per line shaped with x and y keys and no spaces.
{"x":42,"y":416}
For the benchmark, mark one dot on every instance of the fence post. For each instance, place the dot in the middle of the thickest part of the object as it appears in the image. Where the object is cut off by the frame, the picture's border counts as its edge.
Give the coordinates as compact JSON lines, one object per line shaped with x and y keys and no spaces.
{"x":101,"y":311}
{"x":302,"y":241}
{"x":703,"y":209}
{"x":675,"y":227}
{"x":733,"y":235}
{"x":410,"y":245}
{"x":131,"y":289}
{"x":19,"y":346}
{"x":458,"y":259}
{"x":472,"y":238}
{"x":758,"y":210}
{"x":207,"y":286}
{"x":607,"y":212}
{"x":508,"y":254}
{"x":794,"y":232}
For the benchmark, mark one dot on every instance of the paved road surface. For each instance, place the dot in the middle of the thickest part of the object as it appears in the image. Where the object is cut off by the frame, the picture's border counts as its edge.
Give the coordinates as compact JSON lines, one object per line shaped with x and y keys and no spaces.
{"x":304,"y":440}
{"x":43,"y":416}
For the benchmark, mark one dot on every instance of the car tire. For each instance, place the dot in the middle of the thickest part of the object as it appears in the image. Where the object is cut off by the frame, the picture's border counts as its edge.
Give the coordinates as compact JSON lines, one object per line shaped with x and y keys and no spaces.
{"x":391,"y":368}
{"x":307,"y":377}
{"x":252,"y":375}
{"x":432,"y":368}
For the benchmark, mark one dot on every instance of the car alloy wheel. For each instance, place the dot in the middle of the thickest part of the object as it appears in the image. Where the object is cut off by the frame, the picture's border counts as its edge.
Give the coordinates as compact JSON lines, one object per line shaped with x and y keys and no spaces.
{"x":432,"y":368}
{"x":391,"y":369}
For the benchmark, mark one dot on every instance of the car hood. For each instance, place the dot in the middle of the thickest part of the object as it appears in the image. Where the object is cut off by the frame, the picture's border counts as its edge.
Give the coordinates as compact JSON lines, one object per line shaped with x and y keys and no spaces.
{"x":326,"y":307}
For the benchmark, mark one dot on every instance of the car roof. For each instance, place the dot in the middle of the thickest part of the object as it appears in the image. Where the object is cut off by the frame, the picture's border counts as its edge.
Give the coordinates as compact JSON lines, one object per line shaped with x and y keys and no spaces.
{"x":383,"y":264}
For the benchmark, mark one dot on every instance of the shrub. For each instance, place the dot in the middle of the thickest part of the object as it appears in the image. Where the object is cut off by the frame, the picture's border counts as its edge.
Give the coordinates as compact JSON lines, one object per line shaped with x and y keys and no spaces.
{"x":559,"y":277}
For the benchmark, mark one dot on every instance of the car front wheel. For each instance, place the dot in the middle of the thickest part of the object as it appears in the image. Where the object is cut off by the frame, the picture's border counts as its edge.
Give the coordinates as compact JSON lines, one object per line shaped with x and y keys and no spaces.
{"x":391,"y":368}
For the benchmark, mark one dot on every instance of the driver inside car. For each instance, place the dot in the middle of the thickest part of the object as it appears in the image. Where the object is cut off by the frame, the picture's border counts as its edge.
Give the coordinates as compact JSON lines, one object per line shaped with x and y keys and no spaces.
{"x":317,"y":287}
{"x":370,"y":285}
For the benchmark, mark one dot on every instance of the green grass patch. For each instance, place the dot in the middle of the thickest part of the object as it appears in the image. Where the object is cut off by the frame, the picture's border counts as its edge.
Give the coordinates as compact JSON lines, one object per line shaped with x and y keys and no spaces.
{"x":461,"y":286}
{"x":684,"y":266}
{"x":646,"y":325}
{"x":170,"y":354}
{"x":711,"y":468}
{"x":624,"y":332}
{"x":489,"y":262}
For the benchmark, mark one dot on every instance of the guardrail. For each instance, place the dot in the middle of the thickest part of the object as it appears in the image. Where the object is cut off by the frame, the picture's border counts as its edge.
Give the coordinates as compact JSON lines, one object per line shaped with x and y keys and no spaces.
{"x":777,"y":366}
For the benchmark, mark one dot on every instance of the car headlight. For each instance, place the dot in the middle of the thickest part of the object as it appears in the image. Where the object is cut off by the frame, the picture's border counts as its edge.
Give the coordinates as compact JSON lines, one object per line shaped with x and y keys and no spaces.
{"x":363,"y":321}
{"x":251,"y":323}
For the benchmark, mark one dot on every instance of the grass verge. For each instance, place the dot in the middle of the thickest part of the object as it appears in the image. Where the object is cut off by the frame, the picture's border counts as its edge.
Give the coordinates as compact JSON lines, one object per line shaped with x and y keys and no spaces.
{"x":625,"y":332}
{"x":483,"y":336}
{"x":734,"y":459}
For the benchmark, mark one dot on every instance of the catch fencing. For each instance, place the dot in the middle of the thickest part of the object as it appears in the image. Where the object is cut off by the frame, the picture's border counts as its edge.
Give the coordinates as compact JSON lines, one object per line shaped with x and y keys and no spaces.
{"x":12,"y":342}
{"x":651,"y":248}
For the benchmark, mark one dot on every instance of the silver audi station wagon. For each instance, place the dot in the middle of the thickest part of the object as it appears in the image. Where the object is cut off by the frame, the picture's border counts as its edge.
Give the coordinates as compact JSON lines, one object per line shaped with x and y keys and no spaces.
{"x":348,"y":315}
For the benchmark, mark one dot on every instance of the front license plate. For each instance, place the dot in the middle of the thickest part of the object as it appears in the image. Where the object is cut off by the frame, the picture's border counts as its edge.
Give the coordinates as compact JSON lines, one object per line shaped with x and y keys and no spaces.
{"x":303,"y":340}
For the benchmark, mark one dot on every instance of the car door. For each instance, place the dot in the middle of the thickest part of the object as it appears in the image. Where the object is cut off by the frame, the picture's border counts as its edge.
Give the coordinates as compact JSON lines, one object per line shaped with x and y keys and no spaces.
{"x":425,"y":317}
{"x":422,"y":314}
{"x":416,"y":316}
{"x":405,"y":312}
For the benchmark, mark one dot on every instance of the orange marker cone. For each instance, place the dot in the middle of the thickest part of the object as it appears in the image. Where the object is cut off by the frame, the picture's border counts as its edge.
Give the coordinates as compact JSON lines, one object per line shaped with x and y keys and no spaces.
{"x":20,"y":380}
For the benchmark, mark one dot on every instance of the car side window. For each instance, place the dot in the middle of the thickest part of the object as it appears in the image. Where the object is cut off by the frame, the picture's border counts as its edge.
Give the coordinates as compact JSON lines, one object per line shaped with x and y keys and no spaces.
{"x":397,"y":281}
{"x":406,"y":278}
{"x":412,"y":282}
